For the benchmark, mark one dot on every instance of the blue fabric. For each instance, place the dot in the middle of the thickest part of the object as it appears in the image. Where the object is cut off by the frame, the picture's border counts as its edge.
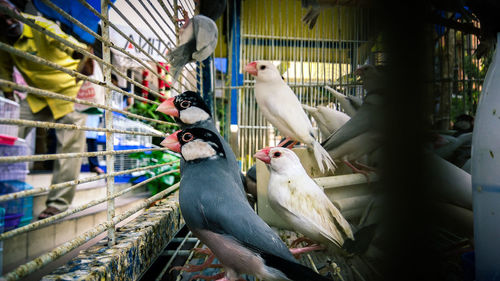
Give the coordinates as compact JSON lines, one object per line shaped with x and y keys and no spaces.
{"x":76,"y":10}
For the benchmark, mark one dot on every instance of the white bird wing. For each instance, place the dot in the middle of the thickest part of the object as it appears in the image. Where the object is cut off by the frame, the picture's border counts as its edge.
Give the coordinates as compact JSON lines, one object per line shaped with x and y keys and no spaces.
{"x":283,"y":109}
{"x":311,"y":207}
{"x":344,"y":102}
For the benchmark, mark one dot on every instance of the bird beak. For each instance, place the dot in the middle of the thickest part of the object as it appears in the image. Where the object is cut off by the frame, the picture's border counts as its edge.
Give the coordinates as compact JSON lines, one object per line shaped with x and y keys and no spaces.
{"x":263,"y":155}
{"x":171,"y":142}
{"x":168,"y":108}
{"x":251,"y":68}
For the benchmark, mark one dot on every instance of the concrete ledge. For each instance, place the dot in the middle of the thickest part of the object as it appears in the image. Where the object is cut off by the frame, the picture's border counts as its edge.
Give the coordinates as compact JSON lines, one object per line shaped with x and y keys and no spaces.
{"x":138,"y":243}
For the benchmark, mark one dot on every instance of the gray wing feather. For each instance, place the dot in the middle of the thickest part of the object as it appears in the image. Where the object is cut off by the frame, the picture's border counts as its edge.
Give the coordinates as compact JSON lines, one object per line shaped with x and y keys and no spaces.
{"x":206,"y":33}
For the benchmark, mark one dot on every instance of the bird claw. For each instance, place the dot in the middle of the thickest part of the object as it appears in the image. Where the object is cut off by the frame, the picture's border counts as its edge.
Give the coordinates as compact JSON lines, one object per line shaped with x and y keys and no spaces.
{"x":359,"y":171}
{"x":204,"y":251}
{"x":299,"y":251}
{"x":297,"y":241}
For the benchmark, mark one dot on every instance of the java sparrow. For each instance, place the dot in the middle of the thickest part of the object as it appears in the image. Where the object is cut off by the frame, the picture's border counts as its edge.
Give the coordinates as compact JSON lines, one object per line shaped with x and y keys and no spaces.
{"x":197,"y":41}
{"x":216,"y":213}
{"x":329,"y":120}
{"x":300,"y":202}
{"x":190,"y":110}
{"x":362,"y":133}
{"x":282,"y":108}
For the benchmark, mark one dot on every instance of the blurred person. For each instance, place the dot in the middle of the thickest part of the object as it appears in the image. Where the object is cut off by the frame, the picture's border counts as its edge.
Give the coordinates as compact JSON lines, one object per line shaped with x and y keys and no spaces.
{"x":25,"y":39}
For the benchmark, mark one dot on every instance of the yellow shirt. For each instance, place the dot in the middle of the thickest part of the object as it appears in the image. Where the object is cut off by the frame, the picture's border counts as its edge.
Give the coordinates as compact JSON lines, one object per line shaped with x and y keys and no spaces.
{"x":42,"y":76}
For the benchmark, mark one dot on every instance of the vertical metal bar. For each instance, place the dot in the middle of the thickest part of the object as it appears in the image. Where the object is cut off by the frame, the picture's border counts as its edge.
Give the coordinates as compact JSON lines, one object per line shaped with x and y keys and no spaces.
{"x":110,"y":159}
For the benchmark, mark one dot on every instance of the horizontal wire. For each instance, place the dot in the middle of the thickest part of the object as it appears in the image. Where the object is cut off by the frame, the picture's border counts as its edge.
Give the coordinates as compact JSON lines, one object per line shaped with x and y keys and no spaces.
{"x":80,"y":50}
{"x":56,"y":253}
{"x":40,"y":124}
{"x":29,"y":192}
{"x":88,"y":6}
{"x":45,"y":157}
{"x":49,"y":94}
{"x":92,"y":203}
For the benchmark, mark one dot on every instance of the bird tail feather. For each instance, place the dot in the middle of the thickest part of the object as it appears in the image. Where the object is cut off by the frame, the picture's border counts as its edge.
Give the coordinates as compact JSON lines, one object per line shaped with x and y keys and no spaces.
{"x":180,"y":56}
{"x":322,"y":156}
{"x":309,"y":109}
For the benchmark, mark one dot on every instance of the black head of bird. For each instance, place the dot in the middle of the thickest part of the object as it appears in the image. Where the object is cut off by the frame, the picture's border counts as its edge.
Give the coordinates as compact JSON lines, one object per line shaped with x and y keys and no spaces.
{"x":195,"y":144}
{"x":188,"y":107}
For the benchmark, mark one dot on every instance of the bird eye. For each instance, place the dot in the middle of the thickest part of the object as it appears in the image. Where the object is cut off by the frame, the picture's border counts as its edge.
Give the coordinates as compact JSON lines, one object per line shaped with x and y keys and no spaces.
{"x":277,"y":154}
{"x":187,"y":137}
{"x":185,"y":104}
{"x":262,"y":67}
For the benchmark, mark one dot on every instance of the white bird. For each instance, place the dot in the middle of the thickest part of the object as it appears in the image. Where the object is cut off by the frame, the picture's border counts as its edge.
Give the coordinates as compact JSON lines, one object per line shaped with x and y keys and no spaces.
{"x":329,"y":120}
{"x":350,"y":104}
{"x":282,"y":108}
{"x":362,"y":133}
{"x":300,"y":202}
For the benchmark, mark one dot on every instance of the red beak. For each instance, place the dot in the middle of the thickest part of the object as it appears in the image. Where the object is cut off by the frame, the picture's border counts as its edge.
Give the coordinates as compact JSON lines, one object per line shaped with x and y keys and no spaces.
{"x":251,"y":68}
{"x":171,"y":142}
{"x":263,"y":155}
{"x":168,"y":108}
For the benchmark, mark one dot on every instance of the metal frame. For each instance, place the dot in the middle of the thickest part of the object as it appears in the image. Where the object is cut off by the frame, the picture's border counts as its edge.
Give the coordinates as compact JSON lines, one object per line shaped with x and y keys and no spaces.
{"x":168,"y":14}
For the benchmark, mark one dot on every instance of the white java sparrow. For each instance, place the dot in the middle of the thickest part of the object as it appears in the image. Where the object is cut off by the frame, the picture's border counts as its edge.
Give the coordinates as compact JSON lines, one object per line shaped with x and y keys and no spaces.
{"x":362,"y":133}
{"x":300,"y":202}
{"x":282,"y":108}
{"x":350,"y":104}
{"x":329,"y":119}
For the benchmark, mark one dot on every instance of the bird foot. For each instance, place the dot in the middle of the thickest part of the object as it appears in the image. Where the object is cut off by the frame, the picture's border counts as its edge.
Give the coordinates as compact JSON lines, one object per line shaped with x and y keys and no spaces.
{"x":185,"y":15}
{"x":299,"y":251}
{"x":359,"y":171}
{"x":297,"y":241}
{"x":218,"y":277}
{"x":203,"y":251}
{"x":286,"y":143}
{"x":197,"y":268}
{"x":365,"y":167}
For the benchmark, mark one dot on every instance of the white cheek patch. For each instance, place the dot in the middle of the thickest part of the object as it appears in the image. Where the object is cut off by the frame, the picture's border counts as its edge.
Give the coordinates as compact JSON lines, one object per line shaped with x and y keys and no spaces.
{"x":192,"y":115}
{"x":197,"y":149}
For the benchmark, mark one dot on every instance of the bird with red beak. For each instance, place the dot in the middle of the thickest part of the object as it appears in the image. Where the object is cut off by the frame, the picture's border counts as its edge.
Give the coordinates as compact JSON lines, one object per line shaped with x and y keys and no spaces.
{"x":219,"y":216}
{"x":281,"y":107}
{"x":190,"y":110}
{"x":300,"y":202}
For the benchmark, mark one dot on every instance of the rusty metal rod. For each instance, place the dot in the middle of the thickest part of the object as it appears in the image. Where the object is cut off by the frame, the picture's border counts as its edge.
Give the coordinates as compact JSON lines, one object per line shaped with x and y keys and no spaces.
{"x":33,"y":191}
{"x":108,"y":118}
{"x":45,"y":157}
{"x":49,"y":94}
{"x":66,"y":213}
{"x":41,"y":124}
{"x":65,"y":248}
